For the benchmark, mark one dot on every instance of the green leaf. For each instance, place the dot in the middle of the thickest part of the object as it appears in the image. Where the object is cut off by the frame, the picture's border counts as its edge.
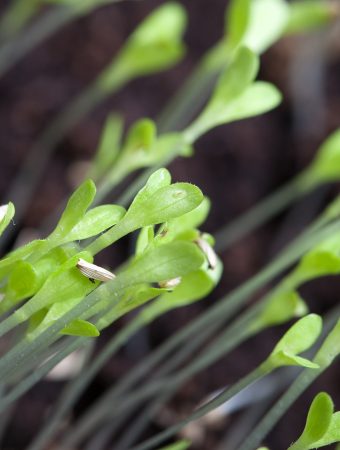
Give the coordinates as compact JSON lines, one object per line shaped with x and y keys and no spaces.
{"x":6,"y":215}
{"x":193,"y":287}
{"x":155,"y":203}
{"x":168,"y":146}
{"x":258,"y":98}
{"x":330,"y":348}
{"x":300,"y":337}
{"x":280,"y":308}
{"x":54,"y":312}
{"x":65,"y":283}
{"x":309,"y":15}
{"x":26,"y":278}
{"x":234,"y":80}
{"x":323,"y":260}
{"x":133,"y":298}
{"x":145,"y":237}
{"x":165,"y":262}
{"x":185,"y":223}
{"x":137,"y":150}
{"x":332,"y":434}
{"x":154,"y":46}
{"x":75,"y":210}
{"x":267,"y":22}
{"x":141,"y":136}
{"x":7,"y":263}
{"x":95,"y":221}
{"x":79,"y":327}
{"x":326,"y":165}
{"x":164,"y":204}
{"x":318,"y":421}
{"x":108,"y":148}
{"x":236,"y":21}
{"x":180,"y":445}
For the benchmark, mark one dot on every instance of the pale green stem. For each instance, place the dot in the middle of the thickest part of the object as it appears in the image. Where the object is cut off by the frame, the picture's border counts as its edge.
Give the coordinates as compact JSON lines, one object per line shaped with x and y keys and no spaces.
{"x":181,"y":109}
{"x":213,"y":317}
{"x":91,"y":419}
{"x":26,"y":181}
{"x":226,"y":395}
{"x":11,"y":52}
{"x":16,"y":16}
{"x":48,"y":24}
{"x":38,"y":374}
{"x":260,"y":213}
{"x":305,"y":379}
{"x":227,"y":341}
{"x":16,"y":356}
{"x":79,"y":384}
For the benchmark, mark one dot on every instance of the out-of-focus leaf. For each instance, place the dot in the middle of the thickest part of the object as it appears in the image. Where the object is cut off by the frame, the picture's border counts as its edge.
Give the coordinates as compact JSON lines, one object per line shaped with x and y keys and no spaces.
{"x":237,"y":21}
{"x":308,"y":15}
{"x":154,"y":46}
{"x":79,"y":327}
{"x":268,"y":19}
{"x":180,"y":445}
{"x":236,"y":97}
{"x":109,"y":147}
{"x":325,"y":166}
{"x":279,"y":309}
{"x":6,"y":215}
{"x":330,"y":348}
{"x":332,"y":434}
{"x":300,"y":337}
{"x":318,"y":421}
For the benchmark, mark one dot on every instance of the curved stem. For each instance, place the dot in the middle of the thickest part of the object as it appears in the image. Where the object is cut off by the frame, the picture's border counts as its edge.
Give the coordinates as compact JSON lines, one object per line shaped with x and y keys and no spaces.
{"x":305,"y":379}
{"x":213,"y":318}
{"x":77,"y":386}
{"x":223,"y":397}
{"x":38,"y":374}
{"x":223,"y":345}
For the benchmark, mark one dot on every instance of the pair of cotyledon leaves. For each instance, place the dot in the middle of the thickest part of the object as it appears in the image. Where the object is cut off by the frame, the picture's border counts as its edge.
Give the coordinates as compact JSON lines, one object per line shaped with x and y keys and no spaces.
{"x":159,"y":201}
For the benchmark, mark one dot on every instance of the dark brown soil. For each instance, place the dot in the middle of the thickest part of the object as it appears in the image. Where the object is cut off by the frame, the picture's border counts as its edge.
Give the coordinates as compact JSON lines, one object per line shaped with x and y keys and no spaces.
{"x":235,"y":165}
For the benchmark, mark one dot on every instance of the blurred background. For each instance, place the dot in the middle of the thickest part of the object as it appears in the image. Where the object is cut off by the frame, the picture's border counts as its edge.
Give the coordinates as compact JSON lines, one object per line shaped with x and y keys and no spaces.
{"x":235,"y":166}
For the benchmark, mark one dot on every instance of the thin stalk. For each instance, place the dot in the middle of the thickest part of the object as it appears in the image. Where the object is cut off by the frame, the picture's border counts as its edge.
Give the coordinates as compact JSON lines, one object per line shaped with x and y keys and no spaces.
{"x":191,"y":96}
{"x":31,"y":37}
{"x":227,"y":341}
{"x":92,"y":418}
{"x":187,"y":101}
{"x":268,"y":422}
{"x":26,"y":181}
{"x":225,"y":395}
{"x":38,"y":374}
{"x":260,"y":213}
{"x":15,"y":358}
{"x":230,"y":304}
{"x":16,"y":16}
{"x":13,"y":51}
{"x":304,"y":380}
{"x":79,"y":384}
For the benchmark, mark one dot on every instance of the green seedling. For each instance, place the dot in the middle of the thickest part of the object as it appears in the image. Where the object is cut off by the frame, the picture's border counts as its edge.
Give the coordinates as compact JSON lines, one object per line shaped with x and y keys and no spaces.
{"x":318,"y":421}
{"x":6,"y":215}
